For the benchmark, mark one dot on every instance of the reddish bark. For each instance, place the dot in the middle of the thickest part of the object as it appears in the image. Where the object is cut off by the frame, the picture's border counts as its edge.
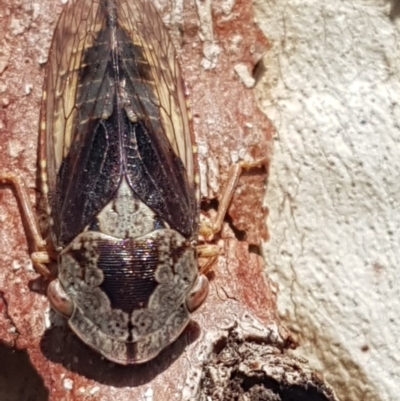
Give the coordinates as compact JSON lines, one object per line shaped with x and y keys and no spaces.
{"x":228,"y":127}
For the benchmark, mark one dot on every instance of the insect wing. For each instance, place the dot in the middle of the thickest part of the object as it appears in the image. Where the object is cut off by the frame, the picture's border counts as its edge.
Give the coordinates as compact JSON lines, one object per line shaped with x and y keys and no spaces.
{"x":154,"y":91}
{"x":58,"y":110}
{"x":147,"y":30}
{"x":76,"y":30}
{"x":114,"y":106}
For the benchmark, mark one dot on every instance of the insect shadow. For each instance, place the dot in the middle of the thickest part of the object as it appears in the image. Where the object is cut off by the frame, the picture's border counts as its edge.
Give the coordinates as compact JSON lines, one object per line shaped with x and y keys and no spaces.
{"x":18,"y":376}
{"x":60,"y":345}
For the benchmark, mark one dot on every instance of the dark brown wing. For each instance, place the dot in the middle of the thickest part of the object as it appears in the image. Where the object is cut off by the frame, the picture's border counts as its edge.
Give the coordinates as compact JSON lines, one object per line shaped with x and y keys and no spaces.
{"x":115,"y":107}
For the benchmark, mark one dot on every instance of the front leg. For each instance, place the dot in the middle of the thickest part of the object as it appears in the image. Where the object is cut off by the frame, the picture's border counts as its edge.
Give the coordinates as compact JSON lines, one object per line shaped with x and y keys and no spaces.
{"x":40,"y":256}
{"x":208,"y":230}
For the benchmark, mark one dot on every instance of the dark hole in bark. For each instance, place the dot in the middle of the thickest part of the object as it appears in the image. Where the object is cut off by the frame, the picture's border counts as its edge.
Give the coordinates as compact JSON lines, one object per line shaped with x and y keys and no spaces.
{"x":259,"y":70}
{"x":239,"y":234}
{"x":209,"y":204}
{"x":256,"y":249}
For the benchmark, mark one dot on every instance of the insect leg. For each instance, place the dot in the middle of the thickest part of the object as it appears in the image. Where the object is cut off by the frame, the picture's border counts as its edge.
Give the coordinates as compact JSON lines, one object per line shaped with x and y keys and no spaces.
{"x":199,"y":292}
{"x":208,"y":230}
{"x":40,"y":259}
{"x":209,"y":252}
{"x":40,"y":255}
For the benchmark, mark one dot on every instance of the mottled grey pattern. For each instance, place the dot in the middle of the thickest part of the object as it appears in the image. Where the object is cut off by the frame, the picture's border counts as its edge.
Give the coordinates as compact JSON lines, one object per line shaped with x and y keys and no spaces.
{"x":141,"y":335}
{"x":126,"y":216}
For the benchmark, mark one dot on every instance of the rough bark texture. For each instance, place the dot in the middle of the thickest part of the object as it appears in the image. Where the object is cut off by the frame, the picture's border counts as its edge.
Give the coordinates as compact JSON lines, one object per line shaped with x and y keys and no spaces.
{"x":219,"y":45}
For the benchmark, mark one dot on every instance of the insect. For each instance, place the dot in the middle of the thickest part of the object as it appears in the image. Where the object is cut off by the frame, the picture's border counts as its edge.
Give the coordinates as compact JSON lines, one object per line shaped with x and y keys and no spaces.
{"x":119,"y":182}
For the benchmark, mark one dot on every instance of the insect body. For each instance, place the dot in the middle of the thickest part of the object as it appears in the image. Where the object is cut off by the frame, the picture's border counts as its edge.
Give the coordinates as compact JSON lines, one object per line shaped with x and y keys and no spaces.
{"x":118,"y":181}
{"x":119,"y":175}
